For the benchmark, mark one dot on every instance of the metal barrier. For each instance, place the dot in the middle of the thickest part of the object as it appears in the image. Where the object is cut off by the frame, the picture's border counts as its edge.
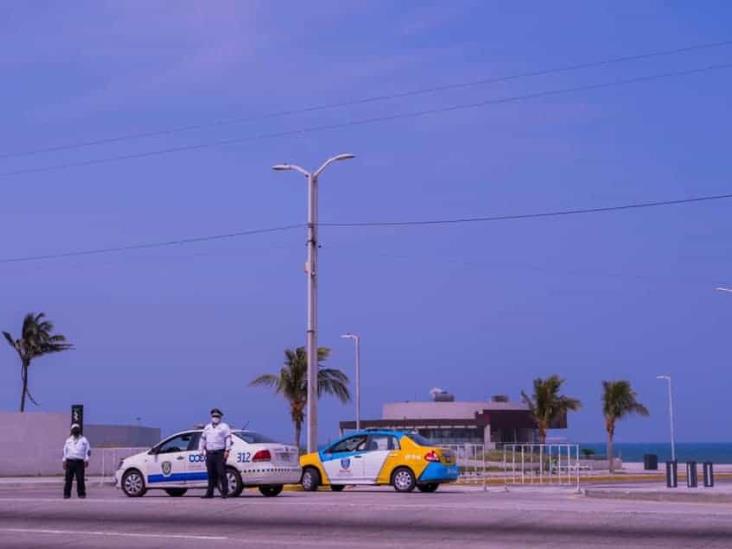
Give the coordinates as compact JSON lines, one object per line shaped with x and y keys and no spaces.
{"x":104,"y":461}
{"x":542,"y":464}
{"x":471,"y":460}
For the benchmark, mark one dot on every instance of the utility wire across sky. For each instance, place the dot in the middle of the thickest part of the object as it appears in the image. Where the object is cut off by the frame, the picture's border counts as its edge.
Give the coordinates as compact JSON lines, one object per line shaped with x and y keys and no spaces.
{"x":367,"y":121}
{"x":363,"y":100}
{"x":368,"y":224}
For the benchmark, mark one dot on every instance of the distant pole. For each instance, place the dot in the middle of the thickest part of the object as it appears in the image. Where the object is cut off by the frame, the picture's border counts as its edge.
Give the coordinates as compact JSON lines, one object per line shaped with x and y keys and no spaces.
{"x":670,"y":415}
{"x":311,"y":271}
{"x":357,"y":341}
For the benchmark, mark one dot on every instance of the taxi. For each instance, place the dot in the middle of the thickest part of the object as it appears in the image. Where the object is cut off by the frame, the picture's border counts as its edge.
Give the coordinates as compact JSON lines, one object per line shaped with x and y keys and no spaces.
{"x":401,"y":459}
{"x":175,"y":465}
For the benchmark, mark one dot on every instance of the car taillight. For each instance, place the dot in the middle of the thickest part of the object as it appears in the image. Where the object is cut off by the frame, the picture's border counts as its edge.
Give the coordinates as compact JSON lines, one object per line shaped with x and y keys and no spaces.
{"x":432,"y":456}
{"x":262,"y":455}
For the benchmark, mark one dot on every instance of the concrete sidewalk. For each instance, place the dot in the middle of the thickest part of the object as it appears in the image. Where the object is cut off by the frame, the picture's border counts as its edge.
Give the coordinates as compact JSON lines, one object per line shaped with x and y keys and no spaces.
{"x":720,"y":493}
{"x":30,"y":482}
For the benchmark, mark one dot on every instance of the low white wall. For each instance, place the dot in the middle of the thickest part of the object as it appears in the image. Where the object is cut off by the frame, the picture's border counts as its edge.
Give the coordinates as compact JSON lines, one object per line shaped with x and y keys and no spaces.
{"x":31,"y":444}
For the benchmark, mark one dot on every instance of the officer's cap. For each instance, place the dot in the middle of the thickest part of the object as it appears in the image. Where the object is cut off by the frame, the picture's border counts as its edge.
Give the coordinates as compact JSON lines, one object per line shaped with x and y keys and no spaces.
{"x":216,"y":413}
{"x":76,"y":426}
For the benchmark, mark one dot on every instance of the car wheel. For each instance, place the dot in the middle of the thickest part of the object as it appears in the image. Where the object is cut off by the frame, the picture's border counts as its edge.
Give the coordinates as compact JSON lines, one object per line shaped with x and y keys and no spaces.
{"x":176,"y":492}
{"x":234,"y":482}
{"x":310,"y":479}
{"x":271,"y":490}
{"x":337,"y":487}
{"x":133,"y":484}
{"x":403,"y":480}
{"x":428,"y":488}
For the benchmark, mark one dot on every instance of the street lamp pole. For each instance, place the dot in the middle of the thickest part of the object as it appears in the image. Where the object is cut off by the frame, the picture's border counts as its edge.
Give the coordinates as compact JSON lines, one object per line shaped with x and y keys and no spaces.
{"x":357,"y":340}
{"x":670,"y":415}
{"x":311,"y":272}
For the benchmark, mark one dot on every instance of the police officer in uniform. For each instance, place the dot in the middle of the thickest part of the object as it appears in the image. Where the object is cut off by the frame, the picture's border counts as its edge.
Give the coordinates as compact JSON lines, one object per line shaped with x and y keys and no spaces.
{"x":76,"y":459}
{"x":216,"y":444}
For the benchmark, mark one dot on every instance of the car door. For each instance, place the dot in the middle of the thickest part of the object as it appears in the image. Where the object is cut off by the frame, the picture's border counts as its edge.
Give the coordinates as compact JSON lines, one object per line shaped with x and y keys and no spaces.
{"x":168,"y":463}
{"x":378,"y":449}
{"x":197,"y":476}
{"x":343,"y":462}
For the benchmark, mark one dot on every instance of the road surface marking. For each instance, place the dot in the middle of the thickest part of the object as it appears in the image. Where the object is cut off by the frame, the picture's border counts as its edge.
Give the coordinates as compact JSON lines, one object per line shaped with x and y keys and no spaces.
{"x":119,"y":534}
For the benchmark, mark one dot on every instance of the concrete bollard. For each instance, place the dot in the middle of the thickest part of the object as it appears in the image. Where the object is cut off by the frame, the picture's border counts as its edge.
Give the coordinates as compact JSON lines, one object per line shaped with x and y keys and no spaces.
{"x":672,"y":474}
{"x":708,"y":474}
{"x":691,"y":476}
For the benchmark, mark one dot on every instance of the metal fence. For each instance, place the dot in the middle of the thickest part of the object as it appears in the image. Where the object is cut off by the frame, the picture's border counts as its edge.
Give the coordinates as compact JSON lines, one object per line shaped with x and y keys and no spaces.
{"x":472,"y":461}
{"x":542,"y":464}
{"x":104,"y":461}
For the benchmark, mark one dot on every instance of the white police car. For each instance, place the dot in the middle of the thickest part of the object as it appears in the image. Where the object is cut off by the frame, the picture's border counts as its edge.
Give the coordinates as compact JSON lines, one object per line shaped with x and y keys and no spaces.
{"x":175,"y":465}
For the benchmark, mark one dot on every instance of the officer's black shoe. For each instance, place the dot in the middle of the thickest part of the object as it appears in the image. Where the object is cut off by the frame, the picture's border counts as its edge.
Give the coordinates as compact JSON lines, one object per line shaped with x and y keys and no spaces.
{"x":224,"y":496}
{"x":82,"y":497}
{"x":67,"y":497}
{"x":207,"y":496}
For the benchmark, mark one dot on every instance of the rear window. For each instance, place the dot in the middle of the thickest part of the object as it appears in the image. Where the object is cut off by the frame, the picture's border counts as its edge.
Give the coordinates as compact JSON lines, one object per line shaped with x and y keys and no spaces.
{"x":419,"y":439}
{"x":250,"y":437}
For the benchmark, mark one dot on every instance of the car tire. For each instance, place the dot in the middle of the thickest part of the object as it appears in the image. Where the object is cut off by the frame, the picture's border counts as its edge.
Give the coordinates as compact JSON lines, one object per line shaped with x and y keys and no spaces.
{"x":233,"y":479}
{"x":310,"y":479}
{"x":271,"y":490}
{"x":402,"y":479}
{"x":429,"y":487}
{"x":337,"y":487}
{"x":133,"y":484}
{"x":176,"y":492}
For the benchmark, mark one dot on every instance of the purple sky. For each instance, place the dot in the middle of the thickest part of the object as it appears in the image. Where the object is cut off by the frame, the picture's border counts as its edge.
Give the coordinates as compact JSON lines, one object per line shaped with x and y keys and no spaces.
{"x":480,"y":309}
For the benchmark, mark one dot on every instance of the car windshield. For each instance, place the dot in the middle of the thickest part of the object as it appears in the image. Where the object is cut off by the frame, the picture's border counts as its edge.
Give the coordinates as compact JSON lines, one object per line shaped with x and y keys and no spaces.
{"x":250,"y":437}
{"x":419,"y":439}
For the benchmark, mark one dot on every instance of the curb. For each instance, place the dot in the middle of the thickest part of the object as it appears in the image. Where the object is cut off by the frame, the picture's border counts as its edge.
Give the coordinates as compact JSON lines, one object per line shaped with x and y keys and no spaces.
{"x":670,"y":496}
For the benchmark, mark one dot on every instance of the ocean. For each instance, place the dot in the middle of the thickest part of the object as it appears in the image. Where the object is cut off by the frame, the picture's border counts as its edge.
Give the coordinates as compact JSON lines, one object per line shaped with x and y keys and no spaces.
{"x":717,"y":452}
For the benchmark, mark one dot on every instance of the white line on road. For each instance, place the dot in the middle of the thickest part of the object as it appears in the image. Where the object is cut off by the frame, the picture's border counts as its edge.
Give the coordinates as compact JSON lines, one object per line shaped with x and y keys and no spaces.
{"x":119,"y":534}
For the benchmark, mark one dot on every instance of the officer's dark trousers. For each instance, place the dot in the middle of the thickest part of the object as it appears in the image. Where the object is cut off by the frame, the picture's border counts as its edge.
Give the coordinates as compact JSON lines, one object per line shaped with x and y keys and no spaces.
{"x":75,"y":468}
{"x":216,"y":468}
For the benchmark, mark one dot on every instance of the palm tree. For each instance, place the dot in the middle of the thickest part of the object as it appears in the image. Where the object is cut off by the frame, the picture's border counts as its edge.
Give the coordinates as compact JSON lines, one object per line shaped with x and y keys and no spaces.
{"x":618,"y":400}
{"x":292,"y":383}
{"x":36,"y":340}
{"x":547,"y":405}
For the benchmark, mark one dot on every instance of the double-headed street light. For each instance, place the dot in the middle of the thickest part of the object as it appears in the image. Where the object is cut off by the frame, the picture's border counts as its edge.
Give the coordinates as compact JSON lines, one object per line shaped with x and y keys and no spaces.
{"x":357,"y":340}
{"x":670,"y":416}
{"x":311,"y":271}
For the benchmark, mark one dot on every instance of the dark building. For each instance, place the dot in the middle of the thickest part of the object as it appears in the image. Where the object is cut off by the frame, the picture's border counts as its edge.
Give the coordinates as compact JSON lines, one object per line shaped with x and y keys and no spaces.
{"x":446,"y":421}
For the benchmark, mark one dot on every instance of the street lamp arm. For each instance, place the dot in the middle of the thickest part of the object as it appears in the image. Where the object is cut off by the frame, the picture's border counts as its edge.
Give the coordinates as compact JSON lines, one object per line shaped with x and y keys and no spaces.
{"x":336,"y":158}
{"x":291,"y":167}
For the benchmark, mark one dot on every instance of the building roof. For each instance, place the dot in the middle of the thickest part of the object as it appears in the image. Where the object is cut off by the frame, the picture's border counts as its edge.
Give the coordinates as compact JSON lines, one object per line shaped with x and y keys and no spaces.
{"x":445,"y":410}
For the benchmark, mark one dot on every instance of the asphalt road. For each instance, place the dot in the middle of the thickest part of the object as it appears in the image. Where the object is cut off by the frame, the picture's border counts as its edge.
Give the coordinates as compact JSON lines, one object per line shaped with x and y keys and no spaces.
{"x":38,"y":517}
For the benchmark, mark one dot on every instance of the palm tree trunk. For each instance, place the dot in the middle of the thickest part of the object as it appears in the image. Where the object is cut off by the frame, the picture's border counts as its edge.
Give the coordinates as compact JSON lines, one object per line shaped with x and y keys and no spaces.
{"x":542,"y":434}
{"x":24,"y":376}
{"x":298,"y":431}
{"x":611,"y":465}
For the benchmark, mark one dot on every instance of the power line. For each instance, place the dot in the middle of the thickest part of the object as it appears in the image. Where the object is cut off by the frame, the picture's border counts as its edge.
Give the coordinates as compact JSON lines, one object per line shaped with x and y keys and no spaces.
{"x":366,"y":121}
{"x":368,"y":224}
{"x":634,"y":206}
{"x":149,"y":245}
{"x":361,"y":101}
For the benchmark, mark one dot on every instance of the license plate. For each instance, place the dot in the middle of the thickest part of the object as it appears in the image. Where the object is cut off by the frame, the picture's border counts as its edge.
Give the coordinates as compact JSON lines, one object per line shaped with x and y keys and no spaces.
{"x":284,"y":456}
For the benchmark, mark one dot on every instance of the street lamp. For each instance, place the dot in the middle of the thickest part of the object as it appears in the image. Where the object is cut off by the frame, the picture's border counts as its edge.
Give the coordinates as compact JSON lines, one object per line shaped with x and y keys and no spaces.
{"x":670,"y":415}
{"x":311,"y":271}
{"x":357,"y":340}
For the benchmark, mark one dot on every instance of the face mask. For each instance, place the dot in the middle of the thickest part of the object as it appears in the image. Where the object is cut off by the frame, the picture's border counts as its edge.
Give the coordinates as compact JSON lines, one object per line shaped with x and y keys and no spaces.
{"x":215,"y":420}
{"x":75,"y":433}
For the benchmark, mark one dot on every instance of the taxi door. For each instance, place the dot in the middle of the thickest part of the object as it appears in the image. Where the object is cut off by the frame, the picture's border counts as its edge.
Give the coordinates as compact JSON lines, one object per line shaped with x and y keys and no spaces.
{"x":378,"y":449}
{"x":167,"y":466}
{"x":343,"y":462}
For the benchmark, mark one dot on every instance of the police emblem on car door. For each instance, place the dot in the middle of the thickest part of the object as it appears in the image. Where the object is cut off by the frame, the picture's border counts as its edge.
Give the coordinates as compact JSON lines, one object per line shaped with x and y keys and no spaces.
{"x":343,"y":461}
